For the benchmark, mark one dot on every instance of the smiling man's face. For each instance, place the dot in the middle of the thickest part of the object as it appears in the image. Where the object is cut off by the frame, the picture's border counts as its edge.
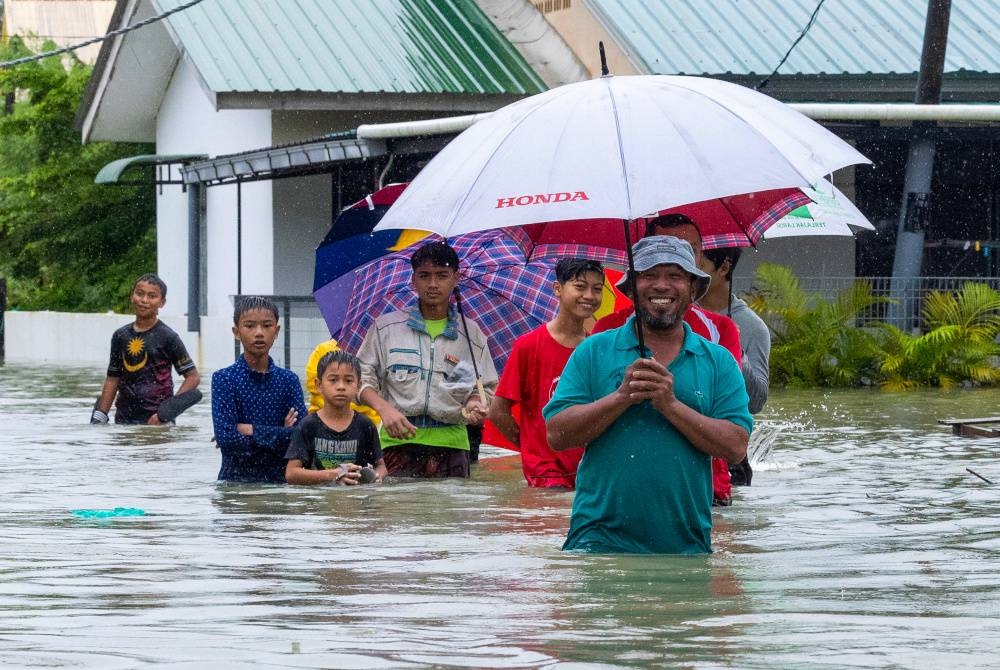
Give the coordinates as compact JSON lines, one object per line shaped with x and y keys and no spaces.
{"x":664,"y":292}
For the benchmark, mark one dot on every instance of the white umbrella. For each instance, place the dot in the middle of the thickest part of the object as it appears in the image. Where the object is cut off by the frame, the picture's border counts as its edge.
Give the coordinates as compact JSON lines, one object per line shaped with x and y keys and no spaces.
{"x":616,"y":148}
{"x":830,"y":213}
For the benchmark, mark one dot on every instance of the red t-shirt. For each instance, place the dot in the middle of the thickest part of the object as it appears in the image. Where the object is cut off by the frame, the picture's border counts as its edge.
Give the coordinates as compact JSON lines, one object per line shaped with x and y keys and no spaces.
{"x":717,"y":328}
{"x":528,"y":380}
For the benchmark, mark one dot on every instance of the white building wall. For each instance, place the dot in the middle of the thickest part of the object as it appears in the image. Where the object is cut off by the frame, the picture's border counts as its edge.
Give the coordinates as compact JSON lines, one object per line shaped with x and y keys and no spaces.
{"x":304,"y":207}
{"x":303,"y":212}
{"x":188,"y":123}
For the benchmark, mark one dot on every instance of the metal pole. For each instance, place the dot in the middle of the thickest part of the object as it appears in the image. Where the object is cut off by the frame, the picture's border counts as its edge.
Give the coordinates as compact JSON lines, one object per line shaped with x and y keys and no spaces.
{"x":194,"y":257}
{"x":239,"y":255}
{"x":914,"y":215}
{"x":239,"y":237}
{"x":287,"y":308}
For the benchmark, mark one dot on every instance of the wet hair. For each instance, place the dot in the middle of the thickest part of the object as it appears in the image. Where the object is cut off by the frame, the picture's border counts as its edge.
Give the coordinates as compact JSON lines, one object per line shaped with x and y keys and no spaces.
{"x":150,"y":278}
{"x":247,"y":303}
{"x":339,"y":357}
{"x":568,"y":269}
{"x":718,"y":256}
{"x":435,"y":253}
{"x":670,"y":221}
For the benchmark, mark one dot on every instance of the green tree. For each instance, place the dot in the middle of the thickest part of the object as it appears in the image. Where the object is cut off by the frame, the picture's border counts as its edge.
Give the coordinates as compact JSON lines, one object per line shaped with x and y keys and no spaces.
{"x":66,"y":243}
{"x":958,"y":346}
{"x":815,"y":342}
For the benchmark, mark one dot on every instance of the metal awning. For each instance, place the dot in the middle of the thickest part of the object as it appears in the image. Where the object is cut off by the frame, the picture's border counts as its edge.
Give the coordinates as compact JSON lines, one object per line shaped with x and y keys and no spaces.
{"x":285,"y":161}
{"x":113,"y":171}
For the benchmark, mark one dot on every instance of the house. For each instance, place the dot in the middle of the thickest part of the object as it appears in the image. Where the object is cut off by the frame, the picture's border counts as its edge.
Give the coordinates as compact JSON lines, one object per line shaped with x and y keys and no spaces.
{"x":256,"y":111}
{"x":246,"y":93}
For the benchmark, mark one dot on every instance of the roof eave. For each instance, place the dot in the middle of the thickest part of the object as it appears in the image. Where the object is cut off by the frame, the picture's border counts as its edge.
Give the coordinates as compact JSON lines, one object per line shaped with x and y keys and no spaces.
{"x":100,"y":75}
{"x":356,"y":102}
{"x":870,"y":87}
{"x":128,"y":91}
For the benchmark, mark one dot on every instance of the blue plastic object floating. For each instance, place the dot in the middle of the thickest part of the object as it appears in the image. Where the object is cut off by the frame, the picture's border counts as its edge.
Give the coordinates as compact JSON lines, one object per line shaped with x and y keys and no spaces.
{"x":108,"y":513}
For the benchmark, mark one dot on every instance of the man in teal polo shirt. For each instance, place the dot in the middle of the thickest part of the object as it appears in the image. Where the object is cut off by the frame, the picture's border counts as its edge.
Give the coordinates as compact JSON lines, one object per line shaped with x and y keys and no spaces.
{"x":650,"y":423}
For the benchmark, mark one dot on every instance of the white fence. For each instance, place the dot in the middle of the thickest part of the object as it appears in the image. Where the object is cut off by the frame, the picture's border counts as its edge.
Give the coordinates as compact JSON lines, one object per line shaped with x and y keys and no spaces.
{"x":85,"y":339}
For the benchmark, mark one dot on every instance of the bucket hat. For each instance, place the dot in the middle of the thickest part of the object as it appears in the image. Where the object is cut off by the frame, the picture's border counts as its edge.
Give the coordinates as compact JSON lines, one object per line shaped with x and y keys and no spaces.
{"x":665,"y":250}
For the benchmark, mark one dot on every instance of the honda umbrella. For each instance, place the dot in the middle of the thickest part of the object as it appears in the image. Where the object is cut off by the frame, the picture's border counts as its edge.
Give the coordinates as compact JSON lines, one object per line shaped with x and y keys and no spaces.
{"x":620,"y":149}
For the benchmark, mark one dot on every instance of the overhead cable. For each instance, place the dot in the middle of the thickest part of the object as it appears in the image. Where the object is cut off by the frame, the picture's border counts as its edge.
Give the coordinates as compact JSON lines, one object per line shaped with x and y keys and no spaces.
{"x":812,"y":20}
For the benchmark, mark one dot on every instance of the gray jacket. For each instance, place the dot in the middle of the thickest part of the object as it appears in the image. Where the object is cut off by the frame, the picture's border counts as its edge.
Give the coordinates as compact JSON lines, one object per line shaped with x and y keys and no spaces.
{"x":755,"y":340}
{"x":401,"y":362}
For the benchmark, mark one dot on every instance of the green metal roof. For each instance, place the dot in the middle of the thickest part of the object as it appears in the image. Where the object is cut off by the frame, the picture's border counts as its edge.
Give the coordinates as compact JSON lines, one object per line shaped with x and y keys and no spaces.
{"x":740,"y":37}
{"x":349,"y":46}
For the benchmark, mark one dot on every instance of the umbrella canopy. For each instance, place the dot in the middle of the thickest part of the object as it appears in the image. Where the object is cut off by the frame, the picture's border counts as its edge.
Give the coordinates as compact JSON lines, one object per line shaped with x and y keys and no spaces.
{"x":830,"y":213}
{"x":617,"y":148}
{"x":506,"y":295}
{"x":350,"y":244}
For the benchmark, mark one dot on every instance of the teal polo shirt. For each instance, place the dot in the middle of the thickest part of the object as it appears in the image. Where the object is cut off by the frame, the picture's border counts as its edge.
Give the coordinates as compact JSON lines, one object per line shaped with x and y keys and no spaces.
{"x":642,"y":487}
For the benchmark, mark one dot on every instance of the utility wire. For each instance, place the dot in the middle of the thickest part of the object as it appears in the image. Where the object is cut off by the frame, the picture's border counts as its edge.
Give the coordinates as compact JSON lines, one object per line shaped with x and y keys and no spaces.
{"x":812,"y":20}
{"x":95,"y":40}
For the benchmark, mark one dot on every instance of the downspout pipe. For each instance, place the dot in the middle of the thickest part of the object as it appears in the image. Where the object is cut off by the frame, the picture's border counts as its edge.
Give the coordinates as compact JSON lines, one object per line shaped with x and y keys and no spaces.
{"x":818,"y":111}
{"x":194,"y":257}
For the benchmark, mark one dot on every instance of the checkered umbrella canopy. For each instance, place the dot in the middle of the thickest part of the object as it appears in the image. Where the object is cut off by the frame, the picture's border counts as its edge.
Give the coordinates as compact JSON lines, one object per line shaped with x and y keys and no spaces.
{"x":503,"y":293}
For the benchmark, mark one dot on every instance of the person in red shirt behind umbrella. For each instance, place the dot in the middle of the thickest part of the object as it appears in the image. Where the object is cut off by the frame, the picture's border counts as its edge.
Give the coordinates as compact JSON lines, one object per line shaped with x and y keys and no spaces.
{"x":714,"y":327}
{"x":533,"y":369}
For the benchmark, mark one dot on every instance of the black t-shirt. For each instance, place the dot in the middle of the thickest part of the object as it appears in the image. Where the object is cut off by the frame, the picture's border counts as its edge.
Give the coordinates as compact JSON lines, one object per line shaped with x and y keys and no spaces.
{"x":142,"y":362}
{"x":319,"y":447}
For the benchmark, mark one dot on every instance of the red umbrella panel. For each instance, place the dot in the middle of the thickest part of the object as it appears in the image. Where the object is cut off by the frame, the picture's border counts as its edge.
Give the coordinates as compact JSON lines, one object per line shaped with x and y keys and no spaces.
{"x":733,"y":221}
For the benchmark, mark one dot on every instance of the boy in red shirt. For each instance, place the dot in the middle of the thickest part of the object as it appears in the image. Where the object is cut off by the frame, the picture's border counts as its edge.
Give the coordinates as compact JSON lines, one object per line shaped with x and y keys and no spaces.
{"x":533,"y":369}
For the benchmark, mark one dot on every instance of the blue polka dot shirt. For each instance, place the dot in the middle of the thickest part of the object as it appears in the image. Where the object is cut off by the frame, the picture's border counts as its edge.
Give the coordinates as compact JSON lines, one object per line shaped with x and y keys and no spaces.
{"x":241,"y":394}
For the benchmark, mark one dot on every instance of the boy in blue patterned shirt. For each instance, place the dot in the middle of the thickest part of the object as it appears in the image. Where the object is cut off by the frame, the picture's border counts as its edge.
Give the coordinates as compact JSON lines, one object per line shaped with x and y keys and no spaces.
{"x":255,"y":404}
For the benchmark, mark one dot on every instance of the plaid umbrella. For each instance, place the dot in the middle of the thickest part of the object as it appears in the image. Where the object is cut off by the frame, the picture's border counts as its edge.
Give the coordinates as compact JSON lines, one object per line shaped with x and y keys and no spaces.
{"x":503,"y":293}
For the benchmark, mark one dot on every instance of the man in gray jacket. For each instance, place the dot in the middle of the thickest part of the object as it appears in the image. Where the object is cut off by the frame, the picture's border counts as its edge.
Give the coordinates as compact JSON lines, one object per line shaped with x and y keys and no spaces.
{"x":411,"y":374}
{"x":755,"y":338}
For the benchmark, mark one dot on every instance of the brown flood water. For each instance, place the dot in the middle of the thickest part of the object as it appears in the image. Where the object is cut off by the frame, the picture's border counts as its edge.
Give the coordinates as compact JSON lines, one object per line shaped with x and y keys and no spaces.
{"x":864,"y":542}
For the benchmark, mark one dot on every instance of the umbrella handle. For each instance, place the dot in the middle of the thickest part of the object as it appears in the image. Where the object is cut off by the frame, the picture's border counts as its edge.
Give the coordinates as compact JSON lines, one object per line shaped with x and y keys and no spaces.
{"x":481,"y":391}
{"x":632,"y":282}
{"x":482,"y":397}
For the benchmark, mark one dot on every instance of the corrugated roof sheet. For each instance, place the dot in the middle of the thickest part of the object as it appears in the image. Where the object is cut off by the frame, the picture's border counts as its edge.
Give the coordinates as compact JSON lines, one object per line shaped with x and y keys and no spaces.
{"x":349,"y":46}
{"x":742,"y":37}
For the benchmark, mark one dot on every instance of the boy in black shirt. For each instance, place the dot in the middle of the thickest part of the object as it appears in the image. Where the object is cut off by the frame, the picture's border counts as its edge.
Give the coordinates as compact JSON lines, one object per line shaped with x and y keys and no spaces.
{"x":333,"y":444}
{"x":142,"y":354}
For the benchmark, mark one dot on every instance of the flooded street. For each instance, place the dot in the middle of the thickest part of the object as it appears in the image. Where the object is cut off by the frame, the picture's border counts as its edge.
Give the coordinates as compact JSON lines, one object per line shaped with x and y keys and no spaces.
{"x":864,"y":542}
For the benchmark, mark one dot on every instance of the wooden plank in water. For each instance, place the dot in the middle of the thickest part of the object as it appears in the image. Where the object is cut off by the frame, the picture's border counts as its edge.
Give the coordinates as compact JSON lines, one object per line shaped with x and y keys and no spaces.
{"x":973,"y":427}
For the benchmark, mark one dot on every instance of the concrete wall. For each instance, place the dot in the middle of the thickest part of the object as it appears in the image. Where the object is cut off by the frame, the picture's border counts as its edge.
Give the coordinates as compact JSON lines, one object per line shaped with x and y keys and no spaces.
{"x":64,"y":22}
{"x":188,"y":123}
{"x":806,"y":256}
{"x":582,"y":31}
